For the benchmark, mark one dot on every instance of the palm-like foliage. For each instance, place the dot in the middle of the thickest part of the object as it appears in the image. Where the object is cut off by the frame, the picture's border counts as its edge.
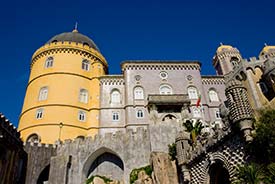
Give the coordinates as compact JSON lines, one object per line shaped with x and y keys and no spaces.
{"x":194,"y":128}
{"x":270,"y":174}
{"x":250,"y":174}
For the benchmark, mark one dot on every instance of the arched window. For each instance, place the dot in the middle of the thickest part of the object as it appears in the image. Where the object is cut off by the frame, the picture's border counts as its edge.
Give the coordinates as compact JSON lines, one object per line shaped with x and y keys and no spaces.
{"x":39,"y":113}
{"x":138,"y":93}
{"x":192,"y":92}
{"x":83,"y":96}
{"x":49,"y":62}
{"x":115,"y":96}
{"x":33,"y":138}
{"x":82,"y":116}
{"x":165,"y":90}
{"x":140,"y":113}
{"x":213,"y":95}
{"x":196,"y":112}
{"x":43,"y":93}
{"x":85,"y":65}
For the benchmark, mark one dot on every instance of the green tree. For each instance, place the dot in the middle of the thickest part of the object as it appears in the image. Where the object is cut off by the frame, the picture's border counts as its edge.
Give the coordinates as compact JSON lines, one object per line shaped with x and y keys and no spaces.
{"x":250,"y":174}
{"x":194,"y":128}
{"x":262,"y":147}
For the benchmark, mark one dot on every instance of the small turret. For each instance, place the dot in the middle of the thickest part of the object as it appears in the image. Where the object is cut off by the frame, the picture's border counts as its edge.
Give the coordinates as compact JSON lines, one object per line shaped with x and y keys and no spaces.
{"x":239,"y":107}
{"x":226,"y":59}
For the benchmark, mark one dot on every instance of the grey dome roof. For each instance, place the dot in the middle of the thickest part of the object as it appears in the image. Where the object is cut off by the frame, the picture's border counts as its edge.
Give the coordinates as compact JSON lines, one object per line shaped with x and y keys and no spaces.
{"x":74,"y":37}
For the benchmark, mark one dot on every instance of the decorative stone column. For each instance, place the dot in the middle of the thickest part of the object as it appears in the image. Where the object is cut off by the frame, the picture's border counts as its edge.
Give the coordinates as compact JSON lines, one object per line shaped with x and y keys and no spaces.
{"x":183,"y":154}
{"x":240,"y":111}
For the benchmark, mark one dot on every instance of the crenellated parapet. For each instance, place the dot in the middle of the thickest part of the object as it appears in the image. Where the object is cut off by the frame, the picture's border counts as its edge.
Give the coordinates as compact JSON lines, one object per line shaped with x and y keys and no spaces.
{"x":68,"y":47}
{"x":9,"y":132}
{"x":112,"y":80}
{"x":160,"y":65}
{"x":212,"y":80}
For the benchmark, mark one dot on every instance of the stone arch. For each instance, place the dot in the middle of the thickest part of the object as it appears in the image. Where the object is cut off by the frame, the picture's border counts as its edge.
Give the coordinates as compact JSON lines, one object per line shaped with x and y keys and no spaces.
{"x":221,"y":162}
{"x":44,"y":175}
{"x":218,"y":174}
{"x":170,"y":116}
{"x":103,"y":158}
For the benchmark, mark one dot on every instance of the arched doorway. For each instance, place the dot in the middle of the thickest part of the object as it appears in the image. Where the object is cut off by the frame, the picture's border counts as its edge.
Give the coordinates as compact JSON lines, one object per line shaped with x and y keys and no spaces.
{"x":218,"y":174}
{"x":104,"y":162}
{"x":44,"y":175}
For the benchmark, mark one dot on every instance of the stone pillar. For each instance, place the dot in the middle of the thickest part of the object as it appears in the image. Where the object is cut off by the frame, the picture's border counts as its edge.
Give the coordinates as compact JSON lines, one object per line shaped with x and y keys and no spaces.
{"x":183,"y":153}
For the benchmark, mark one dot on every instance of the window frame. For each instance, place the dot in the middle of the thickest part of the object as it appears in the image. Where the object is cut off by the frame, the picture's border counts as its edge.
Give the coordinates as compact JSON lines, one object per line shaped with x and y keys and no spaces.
{"x":115,"y":96}
{"x":39,"y":113}
{"x":83,"y":96}
{"x":198,"y":113}
{"x":85,"y":65}
{"x":140,"y":95}
{"x":115,"y":116}
{"x":43,"y":93}
{"x":213,"y":95}
{"x":170,"y":89}
{"x":140,"y":114}
{"x":82,"y":116}
{"x":192,"y":93}
{"x":49,"y":62}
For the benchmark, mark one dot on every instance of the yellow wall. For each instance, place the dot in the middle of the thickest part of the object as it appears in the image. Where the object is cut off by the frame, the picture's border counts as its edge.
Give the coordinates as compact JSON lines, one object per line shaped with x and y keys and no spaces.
{"x":64,"y":81}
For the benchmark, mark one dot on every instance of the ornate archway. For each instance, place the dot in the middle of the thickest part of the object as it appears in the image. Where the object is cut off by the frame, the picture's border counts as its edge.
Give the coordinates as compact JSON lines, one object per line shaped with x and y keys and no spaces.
{"x":218,"y":174}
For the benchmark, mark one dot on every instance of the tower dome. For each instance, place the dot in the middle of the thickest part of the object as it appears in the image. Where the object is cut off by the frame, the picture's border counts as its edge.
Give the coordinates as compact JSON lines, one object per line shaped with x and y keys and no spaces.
{"x":74,"y":36}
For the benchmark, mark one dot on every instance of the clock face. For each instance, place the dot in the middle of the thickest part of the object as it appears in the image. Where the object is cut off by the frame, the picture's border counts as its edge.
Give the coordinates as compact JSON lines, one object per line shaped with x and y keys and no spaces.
{"x":163,"y":75}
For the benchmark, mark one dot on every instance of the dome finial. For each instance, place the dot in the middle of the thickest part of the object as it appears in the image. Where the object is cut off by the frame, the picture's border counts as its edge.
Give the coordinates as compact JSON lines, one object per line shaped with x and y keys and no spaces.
{"x":221,"y":44}
{"x":75,"y":28}
{"x":265,"y":44}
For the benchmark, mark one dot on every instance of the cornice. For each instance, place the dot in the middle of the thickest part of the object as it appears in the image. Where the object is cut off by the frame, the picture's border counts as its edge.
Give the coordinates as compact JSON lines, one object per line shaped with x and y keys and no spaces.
{"x":68,"y":47}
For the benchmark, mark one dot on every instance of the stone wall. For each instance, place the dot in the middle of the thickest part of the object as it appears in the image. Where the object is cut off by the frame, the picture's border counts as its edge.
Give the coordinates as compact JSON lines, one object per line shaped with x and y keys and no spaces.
{"x":112,"y":155}
{"x":39,"y":158}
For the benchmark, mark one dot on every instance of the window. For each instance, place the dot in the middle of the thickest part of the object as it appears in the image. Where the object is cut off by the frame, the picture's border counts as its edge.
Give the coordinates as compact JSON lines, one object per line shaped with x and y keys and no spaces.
{"x":83,"y":96}
{"x":115,"y":96}
{"x":85,"y":65}
{"x":196,"y":112}
{"x":39,"y":114}
{"x":192,"y":93}
{"x":82,"y":116}
{"x":33,"y":138}
{"x":139,"y":113}
{"x":218,"y":114}
{"x":115,"y":116}
{"x":138,"y":93}
{"x":165,"y":90}
{"x":262,"y":87}
{"x":43,"y":93}
{"x":213,"y":96}
{"x":49,"y":62}
{"x":163,"y":75}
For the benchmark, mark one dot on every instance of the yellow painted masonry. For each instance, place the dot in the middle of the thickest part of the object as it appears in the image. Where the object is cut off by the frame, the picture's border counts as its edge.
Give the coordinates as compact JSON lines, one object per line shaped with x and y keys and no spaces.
{"x":64,"y":80}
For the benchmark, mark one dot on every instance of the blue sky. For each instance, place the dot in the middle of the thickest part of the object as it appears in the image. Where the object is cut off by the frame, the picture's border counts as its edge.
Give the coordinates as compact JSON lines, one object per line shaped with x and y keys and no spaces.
{"x":123,"y":30}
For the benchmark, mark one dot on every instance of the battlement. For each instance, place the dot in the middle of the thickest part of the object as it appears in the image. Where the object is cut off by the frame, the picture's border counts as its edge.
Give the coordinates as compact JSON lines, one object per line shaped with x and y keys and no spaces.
{"x":68,"y":47}
{"x":106,"y":139}
{"x":212,"y":80}
{"x":7,"y":129}
{"x":112,"y":80}
{"x":160,"y":65}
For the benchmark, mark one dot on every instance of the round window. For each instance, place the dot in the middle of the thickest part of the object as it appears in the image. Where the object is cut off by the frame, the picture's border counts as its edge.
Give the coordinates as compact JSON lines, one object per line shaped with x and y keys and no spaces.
{"x":163,"y":75}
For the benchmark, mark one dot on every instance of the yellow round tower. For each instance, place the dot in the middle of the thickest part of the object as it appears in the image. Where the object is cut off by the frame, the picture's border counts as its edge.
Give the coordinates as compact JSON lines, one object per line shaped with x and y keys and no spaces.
{"x":62,"y":96}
